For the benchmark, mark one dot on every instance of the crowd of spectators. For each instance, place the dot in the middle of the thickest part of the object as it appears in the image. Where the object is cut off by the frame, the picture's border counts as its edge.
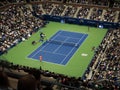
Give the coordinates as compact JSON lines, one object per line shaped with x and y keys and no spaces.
{"x":47,"y":7}
{"x":96,"y":14}
{"x":70,"y":11}
{"x":107,"y":71}
{"x":58,"y":10}
{"x":16,"y":24}
{"x":109,"y":15}
{"x":105,"y":66}
{"x":38,"y":9}
{"x":6,"y":2}
{"x":105,"y":74}
{"x":79,"y":1}
{"x":90,"y":2}
{"x":109,"y":64}
{"x":16,"y":1}
{"x":92,"y":13}
{"x":83,"y":12}
{"x":106,"y":3}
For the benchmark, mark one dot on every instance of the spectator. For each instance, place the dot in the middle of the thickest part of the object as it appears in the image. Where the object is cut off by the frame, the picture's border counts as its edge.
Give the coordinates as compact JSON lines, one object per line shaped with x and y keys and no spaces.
{"x":27,"y":82}
{"x":4,"y":82}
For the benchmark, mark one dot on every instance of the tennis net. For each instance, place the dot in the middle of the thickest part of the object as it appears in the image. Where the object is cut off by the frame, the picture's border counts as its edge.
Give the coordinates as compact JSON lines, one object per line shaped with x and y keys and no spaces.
{"x":63,"y":43}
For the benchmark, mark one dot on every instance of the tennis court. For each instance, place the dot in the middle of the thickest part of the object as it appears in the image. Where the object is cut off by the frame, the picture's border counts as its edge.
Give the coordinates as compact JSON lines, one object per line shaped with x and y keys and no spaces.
{"x":75,"y":66}
{"x":60,"y":47}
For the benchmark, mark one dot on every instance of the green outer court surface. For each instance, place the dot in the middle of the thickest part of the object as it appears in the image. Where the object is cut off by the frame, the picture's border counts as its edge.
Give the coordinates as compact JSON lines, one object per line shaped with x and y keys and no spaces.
{"x":78,"y":62}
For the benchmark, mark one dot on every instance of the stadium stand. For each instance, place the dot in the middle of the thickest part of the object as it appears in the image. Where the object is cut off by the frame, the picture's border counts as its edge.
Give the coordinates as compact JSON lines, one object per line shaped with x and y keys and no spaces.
{"x":57,"y":11}
{"x":83,"y":12}
{"x":102,"y":73}
{"x":14,"y":32}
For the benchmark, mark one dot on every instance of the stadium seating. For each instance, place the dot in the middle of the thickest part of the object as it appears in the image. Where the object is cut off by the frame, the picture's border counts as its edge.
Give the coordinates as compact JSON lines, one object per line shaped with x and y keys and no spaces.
{"x":104,"y":70}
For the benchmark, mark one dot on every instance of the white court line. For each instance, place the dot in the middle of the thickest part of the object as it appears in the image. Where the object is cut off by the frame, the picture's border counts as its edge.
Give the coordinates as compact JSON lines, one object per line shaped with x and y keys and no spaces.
{"x":64,"y":40}
{"x":59,"y":46}
{"x":70,"y":51}
{"x":77,"y":32}
{"x":68,"y":37}
{"x":57,"y":49}
{"x":63,"y":43}
{"x":41,"y":48}
{"x":80,"y":38}
{"x":53,"y":53}
{"x":60,"y":54}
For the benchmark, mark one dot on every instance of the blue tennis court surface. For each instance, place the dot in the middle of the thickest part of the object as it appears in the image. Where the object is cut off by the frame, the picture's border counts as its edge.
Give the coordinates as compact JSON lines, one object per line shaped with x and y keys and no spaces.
{"x":60,"y":47}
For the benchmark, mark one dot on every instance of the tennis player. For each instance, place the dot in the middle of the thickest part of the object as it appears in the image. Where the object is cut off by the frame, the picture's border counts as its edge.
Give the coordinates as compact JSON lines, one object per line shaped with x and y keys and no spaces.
{"x":40,"y":58}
